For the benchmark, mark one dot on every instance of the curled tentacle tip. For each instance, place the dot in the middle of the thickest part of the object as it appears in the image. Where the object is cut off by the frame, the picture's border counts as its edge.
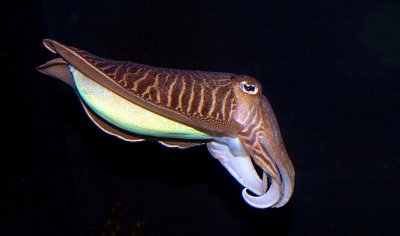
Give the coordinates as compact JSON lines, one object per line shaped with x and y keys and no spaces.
{"x":266,"y":200}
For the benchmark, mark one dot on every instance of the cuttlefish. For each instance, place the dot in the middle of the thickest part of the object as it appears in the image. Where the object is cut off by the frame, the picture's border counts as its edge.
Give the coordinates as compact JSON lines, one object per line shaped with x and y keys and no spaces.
{"x":182,"y":109}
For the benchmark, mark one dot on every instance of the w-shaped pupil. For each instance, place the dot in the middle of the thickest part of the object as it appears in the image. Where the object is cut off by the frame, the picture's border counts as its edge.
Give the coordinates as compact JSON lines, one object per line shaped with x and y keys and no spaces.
{"x":249,"y":87}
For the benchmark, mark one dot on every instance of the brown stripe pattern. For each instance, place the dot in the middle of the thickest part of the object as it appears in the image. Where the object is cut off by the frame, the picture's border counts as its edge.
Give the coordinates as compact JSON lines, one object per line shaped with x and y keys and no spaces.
{"x":251,"y":137}
{"x":207,"y":96}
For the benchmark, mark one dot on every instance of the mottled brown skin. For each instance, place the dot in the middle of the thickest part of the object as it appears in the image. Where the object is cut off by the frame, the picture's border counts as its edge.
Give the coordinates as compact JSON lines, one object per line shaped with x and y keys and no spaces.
{"x":211,"y":102}
{"x":204,"y":101}
{"x":255,"y":114}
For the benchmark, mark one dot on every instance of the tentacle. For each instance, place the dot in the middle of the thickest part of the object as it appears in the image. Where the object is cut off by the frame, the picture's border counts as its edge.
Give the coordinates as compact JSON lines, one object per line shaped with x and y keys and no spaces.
{"x":268,"y":199}
{"x":239,"y":166}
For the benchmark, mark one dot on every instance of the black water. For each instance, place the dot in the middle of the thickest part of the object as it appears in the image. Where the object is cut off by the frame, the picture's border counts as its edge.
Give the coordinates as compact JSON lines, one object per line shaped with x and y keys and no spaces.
{"x":330,"y":69}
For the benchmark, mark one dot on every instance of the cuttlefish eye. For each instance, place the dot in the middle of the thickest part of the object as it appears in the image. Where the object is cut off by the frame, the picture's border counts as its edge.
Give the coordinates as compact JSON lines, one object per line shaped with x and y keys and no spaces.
{"x":248,"y":87}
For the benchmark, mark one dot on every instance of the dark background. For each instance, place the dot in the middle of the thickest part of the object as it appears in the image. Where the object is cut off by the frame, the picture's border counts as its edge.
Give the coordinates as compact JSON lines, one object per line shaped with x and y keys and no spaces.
{"x":330,"y":69}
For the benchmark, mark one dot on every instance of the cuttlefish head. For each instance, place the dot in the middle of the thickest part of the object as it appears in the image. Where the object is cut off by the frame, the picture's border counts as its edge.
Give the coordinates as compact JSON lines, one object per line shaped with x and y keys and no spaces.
{"x":258,"y":142}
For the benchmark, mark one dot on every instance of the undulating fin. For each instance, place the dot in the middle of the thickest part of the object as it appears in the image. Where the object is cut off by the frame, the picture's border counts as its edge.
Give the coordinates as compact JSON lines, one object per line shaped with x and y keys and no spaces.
{"x":202,"y":100}
{"x":57,"y":68}
{"x":110,"y":129}
{"x":180,"y":144}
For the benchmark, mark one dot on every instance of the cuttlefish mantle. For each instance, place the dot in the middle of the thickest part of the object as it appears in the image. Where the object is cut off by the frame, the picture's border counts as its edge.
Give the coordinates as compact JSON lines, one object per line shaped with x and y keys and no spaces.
{"x":182,"y":108}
